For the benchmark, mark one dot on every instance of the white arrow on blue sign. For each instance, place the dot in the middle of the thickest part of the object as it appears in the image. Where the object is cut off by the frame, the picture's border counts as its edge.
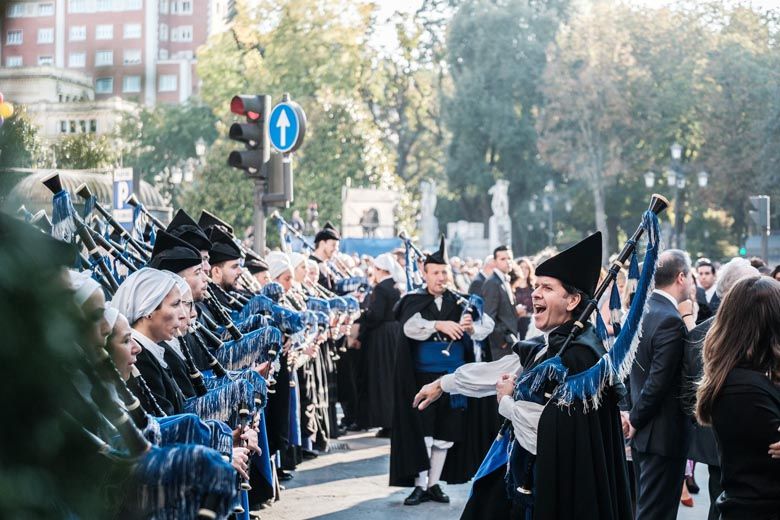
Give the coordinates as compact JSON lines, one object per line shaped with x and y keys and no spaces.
{"x":287,"y":126}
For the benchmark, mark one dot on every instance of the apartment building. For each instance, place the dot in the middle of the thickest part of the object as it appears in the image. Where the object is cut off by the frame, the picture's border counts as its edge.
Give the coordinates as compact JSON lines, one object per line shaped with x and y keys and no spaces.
{"x":139,"y":50}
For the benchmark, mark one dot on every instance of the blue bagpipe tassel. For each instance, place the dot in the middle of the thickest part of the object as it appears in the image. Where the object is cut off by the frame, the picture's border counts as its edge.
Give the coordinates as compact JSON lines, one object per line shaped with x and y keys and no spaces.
{"x":63,"y":226}
{"x":89,"y":206}
{"x":633,"y":274}
{"x":615,"y":309}
{"x":601,"y":328}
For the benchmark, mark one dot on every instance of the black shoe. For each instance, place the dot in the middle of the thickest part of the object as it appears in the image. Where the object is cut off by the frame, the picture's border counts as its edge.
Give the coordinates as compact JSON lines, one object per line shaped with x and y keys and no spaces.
{"x":354,"y":427}
{"x":309,"y":454}
{"x":437,"y":495}
{"x":284,"y":476}
{"x":418,"y":496}
{"x":383,"y":433}
{"x":693,"y":488}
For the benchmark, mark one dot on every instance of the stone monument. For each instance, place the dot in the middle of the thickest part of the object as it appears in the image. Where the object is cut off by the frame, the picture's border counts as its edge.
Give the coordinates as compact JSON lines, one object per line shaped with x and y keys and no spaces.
{"x":500,"y":225}
{"x":429,"y":224}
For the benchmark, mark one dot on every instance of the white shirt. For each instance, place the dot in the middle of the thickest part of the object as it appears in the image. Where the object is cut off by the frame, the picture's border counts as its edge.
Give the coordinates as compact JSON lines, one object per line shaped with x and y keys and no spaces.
{"x":154,"y":349}
{"x":420,"y":329}
{"x":709,"y":293}
{"x":479,"y":380}
{"x":667,"y":296}
{"x":175,"y":344}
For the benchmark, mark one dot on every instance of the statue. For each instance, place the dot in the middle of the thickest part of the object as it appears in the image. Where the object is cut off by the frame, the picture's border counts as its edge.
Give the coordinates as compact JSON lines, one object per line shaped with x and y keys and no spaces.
{"x":500,"y":225}
{"x":429,"y":224}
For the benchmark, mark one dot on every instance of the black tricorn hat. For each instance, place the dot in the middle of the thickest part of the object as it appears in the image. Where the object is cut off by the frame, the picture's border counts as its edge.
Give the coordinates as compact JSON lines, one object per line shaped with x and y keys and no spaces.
{"x":328,"y":232}
{"x":578,"y":266}
{"x":173,"y":254}
{"x":223,"y":247}
{"x":255,"y":262}
{"x":208,"y":220}
{"x":438,"y":257}
{"x":185,"y":228}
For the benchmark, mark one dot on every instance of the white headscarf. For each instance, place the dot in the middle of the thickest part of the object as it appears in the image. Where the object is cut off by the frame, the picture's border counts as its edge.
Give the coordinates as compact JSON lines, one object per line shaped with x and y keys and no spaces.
{"x":83,"y":284}
{"x":278,"y":266}
{"x":111,"y":315}
{"x":296,"y":259}
{"x":386,"y":262}
{"x":142,"y":292}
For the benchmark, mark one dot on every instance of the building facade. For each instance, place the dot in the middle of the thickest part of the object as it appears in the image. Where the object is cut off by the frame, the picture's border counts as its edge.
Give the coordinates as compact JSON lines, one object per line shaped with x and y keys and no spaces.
{"x":139,"y":50}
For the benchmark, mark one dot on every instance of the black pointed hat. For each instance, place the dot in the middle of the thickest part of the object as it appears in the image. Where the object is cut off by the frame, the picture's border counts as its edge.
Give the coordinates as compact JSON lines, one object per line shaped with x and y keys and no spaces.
{"x":438,"y":257}
{"x":223,"y":247}
{"x":328,"y":232}
{"x":255,"y":262}
{"x":173,"y":254}
{"x":208,"y":220}
{"x":184,"y":227}
{"x":578,"y":266}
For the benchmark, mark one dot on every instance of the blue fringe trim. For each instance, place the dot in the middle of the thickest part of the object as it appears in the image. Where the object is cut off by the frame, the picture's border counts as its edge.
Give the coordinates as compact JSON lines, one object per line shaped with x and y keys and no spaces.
{"x":221,"y":403}
{"x":63,"y":225}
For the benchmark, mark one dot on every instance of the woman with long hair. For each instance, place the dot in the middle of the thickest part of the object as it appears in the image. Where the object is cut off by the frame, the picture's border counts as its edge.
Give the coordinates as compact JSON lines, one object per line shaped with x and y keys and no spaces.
{"x":522,"y":279}
{"x":739,"y":395}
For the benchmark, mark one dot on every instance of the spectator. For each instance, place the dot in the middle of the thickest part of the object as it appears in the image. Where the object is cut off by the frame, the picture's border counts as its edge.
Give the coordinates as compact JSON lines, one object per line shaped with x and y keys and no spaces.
{"x":706,"y":295}
{"x":500,"y":304}
{"x":776,"y":272}
{"x":740,"y":397}
{"x":523,"y":287}
{"x":486,"y":272}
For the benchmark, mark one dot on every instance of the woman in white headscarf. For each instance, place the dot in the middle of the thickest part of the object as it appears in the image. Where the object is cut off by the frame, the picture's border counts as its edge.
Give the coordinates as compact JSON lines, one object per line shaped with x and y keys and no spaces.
{"x":89,"y":297}
{"x":151,"y":301}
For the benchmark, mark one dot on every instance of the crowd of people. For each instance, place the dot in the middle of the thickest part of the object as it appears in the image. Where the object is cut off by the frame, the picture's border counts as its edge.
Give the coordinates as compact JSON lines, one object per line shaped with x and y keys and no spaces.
{"x":216,"y":371}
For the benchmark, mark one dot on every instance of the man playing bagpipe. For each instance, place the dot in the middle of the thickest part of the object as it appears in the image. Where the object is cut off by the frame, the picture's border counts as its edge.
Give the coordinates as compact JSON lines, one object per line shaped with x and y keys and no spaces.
{"x":437,"y":338}
{"x":560,"y":392}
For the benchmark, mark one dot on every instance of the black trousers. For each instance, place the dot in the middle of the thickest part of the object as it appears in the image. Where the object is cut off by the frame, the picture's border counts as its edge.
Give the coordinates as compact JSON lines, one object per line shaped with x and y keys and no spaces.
{"x":660,"y":485}
{"x":715,"y":490}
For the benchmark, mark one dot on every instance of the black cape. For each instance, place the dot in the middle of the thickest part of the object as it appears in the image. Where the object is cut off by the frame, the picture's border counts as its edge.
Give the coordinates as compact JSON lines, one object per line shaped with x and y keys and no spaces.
{"x":408,"y":455}
{"x":580,"y":466}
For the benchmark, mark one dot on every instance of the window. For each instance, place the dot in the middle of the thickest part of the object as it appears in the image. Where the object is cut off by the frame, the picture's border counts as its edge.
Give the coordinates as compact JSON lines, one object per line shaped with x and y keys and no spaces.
{"x":77,"y":6}
{"x":104,"y":86}
{"x":104,"y":5}
{"x":14,"y":38}
{"x":163,"y":32}
{"x":187,"y":55}
{"x":181,"y":34}
{"x":163,"y":6}
{"x":131,"y":84}
{"x":63,"y":127}
{"x":93,"y":125}
{"x":43,"y":61}
{"x":72,"y":125}
{"x":168,"y":83}
{"x":78,"y":33}
{"x":104,"y":58}
{"x":133,"y":5}
{"x":15,"y":10}
{"x":132,"y":57}
{"x":181,"y":7}
{"x":45,"y":9}
{"x":46,"y":35}
{"x":13,"y":61}
{"x":163,"y":55}
{"x":77,"y":59}
{"x":132,"y":31}
{"x":104,"y":32}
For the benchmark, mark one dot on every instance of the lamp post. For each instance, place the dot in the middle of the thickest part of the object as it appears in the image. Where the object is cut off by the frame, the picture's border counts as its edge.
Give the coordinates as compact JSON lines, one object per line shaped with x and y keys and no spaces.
{"x":677,"y":178}
{"x":549,"y":198}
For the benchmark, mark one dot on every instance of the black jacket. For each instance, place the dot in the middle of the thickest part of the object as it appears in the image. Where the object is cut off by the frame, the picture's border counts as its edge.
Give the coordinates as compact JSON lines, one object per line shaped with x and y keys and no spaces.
{"x":380,"y":307}
{"x":746,"y":418}
{"x":475,"y":287}
{"x":498,"y":305}
{"x":656,"y":382}
{"x":161,"y":383}
{"x":706,"y":310}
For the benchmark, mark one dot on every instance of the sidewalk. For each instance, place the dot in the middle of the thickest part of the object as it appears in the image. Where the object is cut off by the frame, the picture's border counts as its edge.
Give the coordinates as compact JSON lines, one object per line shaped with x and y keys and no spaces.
{"x":352,"y":485}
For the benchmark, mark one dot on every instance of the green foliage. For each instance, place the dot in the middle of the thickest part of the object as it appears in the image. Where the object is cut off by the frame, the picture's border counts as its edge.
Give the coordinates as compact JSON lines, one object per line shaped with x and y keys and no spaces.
{"x":20,"y":145}
{"x":165,"y":135}
{"x":84,"y":151}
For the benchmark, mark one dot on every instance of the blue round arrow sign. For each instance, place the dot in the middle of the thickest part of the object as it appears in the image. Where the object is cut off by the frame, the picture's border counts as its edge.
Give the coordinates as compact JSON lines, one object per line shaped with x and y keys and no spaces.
{"x":286,"y":126}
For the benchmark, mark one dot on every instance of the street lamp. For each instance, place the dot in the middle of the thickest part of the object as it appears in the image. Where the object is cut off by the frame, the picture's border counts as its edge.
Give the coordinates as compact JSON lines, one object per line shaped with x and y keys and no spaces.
{"x":676,"y":177}
{"x":549,"y":200}
{"x":200,"y":148}
{"x":649,"y":179}
{"x":676,"y":150}
{"x":703,"y":178}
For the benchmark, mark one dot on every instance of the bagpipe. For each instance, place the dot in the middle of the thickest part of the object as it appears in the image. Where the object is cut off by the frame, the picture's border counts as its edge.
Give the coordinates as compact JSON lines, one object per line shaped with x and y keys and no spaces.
{"x":412,"y":256}
{"x":471,"y":305}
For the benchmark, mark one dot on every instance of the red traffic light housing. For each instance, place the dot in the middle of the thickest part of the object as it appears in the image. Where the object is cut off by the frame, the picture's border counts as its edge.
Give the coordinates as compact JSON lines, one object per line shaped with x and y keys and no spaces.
{"x":253,"y":133}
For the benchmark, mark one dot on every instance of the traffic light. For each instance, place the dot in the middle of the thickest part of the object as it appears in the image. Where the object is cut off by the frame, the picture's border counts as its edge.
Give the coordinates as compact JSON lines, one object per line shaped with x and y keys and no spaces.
{"x":760,"y":212}
{"x":253,"y":133}
{"x":280,"y":181}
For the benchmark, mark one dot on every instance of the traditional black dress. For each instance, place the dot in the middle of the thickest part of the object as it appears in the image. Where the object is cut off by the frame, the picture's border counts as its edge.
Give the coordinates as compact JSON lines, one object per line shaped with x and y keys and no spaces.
{"x":378,"y":337}
{"x":416,"y":366}
{"x":579,"y":470}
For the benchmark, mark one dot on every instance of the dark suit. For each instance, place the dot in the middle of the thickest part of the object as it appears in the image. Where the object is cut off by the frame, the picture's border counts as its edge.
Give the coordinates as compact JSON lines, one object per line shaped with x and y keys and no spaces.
{"x":499,"y":306}
{"x":661,"y":441}
{"x":475,"y":287}
{"x":706,"y":310}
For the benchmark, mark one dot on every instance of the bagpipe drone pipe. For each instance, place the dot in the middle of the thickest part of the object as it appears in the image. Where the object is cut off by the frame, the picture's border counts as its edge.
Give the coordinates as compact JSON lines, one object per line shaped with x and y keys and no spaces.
{"x":413,"y":256}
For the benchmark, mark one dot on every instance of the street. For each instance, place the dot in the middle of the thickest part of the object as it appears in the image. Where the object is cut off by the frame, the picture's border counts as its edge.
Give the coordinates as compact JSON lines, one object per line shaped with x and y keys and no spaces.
{"x":352,"y":484}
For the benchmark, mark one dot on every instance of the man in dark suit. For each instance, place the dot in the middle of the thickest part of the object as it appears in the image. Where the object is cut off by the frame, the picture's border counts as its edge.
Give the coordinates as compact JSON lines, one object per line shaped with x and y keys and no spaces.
{"x":657,"y":423}
{"x":500,"y":303}
{"x":706,"y":295}
{"x":486,"y":272}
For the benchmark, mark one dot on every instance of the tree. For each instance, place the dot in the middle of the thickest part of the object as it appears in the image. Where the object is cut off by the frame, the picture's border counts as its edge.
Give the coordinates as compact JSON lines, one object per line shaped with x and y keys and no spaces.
{"x":84,"y":151}
{"x":495,"y":56}
{"x":20,"y":145}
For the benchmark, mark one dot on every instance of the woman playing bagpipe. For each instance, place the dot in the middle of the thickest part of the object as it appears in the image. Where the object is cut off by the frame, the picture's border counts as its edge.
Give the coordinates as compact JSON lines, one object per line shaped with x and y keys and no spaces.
{"x":561,"y":455}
